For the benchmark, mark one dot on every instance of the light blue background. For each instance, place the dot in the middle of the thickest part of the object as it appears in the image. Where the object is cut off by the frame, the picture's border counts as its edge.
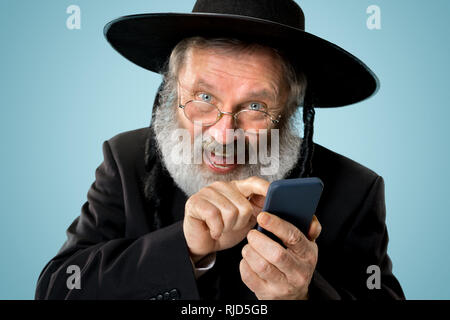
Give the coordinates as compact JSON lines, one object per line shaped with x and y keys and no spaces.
{"x":63,"y":92}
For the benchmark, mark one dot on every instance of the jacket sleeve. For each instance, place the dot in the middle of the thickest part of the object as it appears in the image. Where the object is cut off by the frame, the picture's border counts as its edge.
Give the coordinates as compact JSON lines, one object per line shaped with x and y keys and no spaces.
{"x":155,"y":265}
{"x":365,"y":245}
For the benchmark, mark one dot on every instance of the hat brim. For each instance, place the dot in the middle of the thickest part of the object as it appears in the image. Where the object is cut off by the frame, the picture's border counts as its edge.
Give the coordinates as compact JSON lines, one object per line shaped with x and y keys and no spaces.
{"x":336,"y":77}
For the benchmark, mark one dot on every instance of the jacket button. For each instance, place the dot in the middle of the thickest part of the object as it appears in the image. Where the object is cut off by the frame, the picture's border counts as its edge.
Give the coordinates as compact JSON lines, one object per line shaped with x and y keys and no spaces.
{"x":174,"y":294}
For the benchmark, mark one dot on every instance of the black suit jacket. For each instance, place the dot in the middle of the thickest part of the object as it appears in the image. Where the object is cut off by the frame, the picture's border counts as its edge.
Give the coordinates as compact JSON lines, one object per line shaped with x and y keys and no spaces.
{"x":125,"y":253}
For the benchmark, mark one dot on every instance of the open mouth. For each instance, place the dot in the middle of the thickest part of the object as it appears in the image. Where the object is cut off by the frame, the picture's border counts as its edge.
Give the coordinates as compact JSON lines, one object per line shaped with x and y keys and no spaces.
{"x":220,"y":163}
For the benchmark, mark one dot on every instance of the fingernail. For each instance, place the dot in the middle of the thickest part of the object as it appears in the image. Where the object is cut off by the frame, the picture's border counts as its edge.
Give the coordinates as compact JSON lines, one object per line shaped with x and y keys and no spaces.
{"x":264,"y":218}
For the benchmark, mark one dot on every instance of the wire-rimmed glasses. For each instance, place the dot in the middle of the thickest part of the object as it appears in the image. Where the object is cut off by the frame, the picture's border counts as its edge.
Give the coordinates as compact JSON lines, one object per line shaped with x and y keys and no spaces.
{"x":207,"y":114}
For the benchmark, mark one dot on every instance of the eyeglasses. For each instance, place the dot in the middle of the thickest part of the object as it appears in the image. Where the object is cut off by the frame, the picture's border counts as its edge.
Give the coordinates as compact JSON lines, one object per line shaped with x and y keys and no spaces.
{"x":207,"y":114}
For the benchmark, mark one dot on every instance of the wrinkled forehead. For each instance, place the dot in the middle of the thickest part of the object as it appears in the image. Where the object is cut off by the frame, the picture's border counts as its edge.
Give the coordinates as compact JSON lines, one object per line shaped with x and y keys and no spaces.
{"x":254,"y":66}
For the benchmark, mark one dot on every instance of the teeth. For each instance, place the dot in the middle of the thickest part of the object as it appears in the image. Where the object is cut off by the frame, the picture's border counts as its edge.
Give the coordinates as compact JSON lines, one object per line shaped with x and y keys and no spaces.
{"x":216,"y":165}
{"x":219,"y":166}
{"x":211,"y":155}
{"x":225,"y":155}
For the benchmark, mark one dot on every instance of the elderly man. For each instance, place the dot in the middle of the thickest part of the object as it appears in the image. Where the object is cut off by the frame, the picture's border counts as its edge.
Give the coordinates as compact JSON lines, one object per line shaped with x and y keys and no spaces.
{"x":156,"y":228}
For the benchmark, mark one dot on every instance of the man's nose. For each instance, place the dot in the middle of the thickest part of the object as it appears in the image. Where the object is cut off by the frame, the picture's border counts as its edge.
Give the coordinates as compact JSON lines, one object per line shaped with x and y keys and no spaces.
{"x":219,"y":130}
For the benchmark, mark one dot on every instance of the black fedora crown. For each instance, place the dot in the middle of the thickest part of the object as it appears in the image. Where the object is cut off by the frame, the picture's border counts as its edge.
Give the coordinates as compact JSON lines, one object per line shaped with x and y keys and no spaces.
{"x":286,"y":12}
{"x":335,"y":77}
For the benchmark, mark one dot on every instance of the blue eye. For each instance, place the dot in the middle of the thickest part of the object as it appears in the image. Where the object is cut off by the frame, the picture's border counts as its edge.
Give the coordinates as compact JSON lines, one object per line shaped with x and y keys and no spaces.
{"x":256,"y":106}
{"x":205,"y":97}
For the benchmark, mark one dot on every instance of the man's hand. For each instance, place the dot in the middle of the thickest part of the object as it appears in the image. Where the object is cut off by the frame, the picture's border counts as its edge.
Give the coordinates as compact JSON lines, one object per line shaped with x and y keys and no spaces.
{"x":273,"y":272}
{"x":220,"y":215}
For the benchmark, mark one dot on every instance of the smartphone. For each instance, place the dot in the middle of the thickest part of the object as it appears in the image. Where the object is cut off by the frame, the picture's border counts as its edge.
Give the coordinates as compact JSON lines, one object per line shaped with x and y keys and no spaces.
{"x":293,"y":200}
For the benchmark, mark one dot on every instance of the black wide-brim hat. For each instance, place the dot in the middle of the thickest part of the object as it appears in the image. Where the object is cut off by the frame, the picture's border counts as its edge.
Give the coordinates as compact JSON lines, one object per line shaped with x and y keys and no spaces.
{"x":335,"y":77}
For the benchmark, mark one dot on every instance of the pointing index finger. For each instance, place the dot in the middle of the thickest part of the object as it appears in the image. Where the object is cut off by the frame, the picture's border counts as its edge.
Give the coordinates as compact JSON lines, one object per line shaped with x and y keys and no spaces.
{"x":252,"y":185}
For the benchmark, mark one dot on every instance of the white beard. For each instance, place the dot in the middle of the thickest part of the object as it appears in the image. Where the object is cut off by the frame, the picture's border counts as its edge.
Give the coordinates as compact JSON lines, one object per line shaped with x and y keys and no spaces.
{"x":192,"y":177}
